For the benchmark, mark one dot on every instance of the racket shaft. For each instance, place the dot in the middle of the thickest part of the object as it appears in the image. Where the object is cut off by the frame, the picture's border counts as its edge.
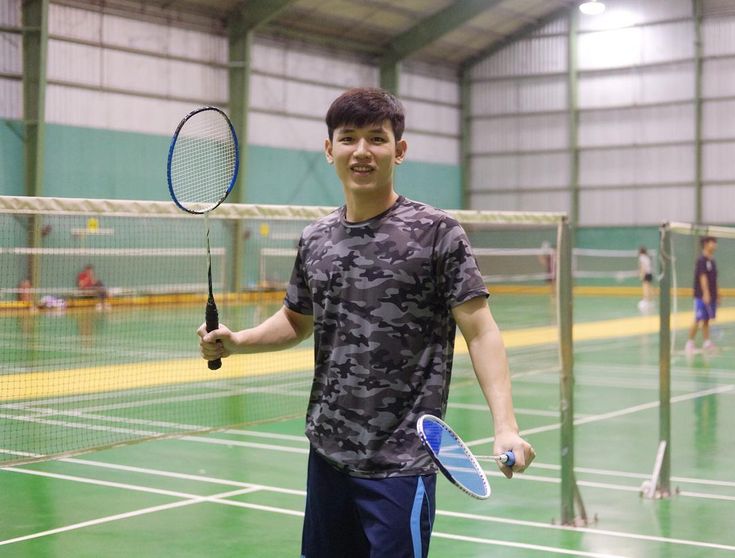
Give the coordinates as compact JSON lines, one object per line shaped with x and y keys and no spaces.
{"x":212,"y":320}
{"x":508,"y":458}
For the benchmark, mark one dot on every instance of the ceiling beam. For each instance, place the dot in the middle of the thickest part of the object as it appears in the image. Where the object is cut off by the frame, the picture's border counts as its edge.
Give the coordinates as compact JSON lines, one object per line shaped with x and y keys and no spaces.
{"x":434,"y":27}
{"x":255,"y":13}
{"x":520,"y":33}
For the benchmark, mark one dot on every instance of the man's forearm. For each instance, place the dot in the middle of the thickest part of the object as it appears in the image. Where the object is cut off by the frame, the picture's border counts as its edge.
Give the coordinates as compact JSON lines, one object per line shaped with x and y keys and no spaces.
{"x":491,"y":368}
{"x":276,"y":333}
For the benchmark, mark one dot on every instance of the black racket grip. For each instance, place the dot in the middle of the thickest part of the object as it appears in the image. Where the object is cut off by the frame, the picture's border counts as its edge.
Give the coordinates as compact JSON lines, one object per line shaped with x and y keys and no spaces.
{"x":211,"y":317}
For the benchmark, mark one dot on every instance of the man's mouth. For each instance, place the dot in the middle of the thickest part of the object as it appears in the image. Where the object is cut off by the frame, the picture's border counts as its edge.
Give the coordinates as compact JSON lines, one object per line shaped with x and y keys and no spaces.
{"x":361,"y":169}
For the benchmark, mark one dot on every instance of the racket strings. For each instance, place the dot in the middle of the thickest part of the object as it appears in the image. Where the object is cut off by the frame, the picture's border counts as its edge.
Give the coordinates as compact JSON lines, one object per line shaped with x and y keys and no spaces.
{"x":204,"y":161}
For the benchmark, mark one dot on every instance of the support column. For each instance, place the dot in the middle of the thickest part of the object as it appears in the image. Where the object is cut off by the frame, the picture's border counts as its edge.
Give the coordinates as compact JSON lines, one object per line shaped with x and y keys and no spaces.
{"x":35,"y":46}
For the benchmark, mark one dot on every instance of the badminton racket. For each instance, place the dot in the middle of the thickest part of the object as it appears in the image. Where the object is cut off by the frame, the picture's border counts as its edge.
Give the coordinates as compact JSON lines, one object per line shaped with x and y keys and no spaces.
{"x":454,"y":458}
{"x":203,"y":160}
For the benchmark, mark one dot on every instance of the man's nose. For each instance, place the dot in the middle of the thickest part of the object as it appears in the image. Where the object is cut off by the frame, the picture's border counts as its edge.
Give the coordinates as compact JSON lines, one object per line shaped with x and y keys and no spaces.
{"x":361,"y":148}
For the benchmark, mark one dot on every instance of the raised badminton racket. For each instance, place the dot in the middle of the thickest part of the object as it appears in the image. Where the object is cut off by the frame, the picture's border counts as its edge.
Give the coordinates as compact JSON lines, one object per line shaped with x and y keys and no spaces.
{"x":454,"y":458}
{"x":203,"y":161}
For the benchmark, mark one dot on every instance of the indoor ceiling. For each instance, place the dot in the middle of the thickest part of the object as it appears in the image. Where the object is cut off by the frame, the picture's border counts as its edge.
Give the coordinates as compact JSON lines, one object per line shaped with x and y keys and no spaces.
{"x":451,"y":33}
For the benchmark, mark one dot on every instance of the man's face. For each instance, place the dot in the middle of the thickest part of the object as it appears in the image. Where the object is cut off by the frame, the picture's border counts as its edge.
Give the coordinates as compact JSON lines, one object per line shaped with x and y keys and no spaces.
{"x":364,"y":158}
{"x":710,"y":247}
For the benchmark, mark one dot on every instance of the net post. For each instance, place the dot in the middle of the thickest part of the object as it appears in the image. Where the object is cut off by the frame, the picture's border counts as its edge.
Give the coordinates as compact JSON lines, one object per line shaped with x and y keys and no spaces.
{"x":663,"y":484}
{"x":569,"y":491}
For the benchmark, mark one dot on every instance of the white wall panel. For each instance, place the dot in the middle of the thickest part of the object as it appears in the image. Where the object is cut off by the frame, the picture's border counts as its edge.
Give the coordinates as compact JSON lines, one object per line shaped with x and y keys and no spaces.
{"x":639,"y":86}
{"x":718,"y":119}
{"x":429,"y":117}
{"x":541,"y":55}
{"x":718,"y":203}
{"x":10,"y":13}
{"x":718,"y":77}
{"x":11,"y":53}
{"x":521,"y":133}
{"x":112,"y":111}
{"x":639,"y":206}
{"x":719,"y":36}
{"x":84,"y":25}
{"x":636,"y":126}
{"x":641,"y":165}
{"x":637,"y":12}
{"x":74,"y":63}
{"x":719,"y":163}
{"x":431,"y":149}
{"x":632,"y":46}
{"x":544,"y":201}
{"x":549,"y":170}
{"x":519,"y":95}
{"x":268,"y":57}
{"x":429,"y":88}
{"x":93,"y":26}
{"x":11,"y":98}
{"x":286,"y":132}
{"x":291,"y":97}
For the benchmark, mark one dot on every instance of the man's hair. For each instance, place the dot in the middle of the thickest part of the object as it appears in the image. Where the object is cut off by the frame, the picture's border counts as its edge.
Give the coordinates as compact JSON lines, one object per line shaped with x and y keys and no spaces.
{"x":706,"y":239}
{"x":363,"y":106}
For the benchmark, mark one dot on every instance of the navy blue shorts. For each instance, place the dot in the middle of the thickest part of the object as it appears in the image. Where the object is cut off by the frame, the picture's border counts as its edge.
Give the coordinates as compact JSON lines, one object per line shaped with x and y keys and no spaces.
{"x":704,"y":312}
{"x":350,"y":517}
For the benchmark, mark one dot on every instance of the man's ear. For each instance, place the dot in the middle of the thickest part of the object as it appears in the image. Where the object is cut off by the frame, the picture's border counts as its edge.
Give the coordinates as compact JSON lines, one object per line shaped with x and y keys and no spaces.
{"x":401,"y":149}
{"x":328,"y":151}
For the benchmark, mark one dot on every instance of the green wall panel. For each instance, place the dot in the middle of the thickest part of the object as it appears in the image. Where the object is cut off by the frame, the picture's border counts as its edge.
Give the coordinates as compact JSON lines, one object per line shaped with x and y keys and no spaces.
{"x":94,"y":163}
{"x":11,"y":158}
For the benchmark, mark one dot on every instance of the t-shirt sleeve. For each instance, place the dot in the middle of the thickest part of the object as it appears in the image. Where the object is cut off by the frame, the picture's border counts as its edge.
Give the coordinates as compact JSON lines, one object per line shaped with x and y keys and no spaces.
{"x":298,"y":296}
{"x":459,"y":275}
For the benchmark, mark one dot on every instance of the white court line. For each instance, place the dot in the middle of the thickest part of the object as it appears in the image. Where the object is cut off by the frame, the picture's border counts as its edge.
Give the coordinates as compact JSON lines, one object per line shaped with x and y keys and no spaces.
{"x":613,"y":414}
{"x":590,"y":530}
{"x":526,"y":546}
{"x":217,"y":498}
{"x":220,"y":499}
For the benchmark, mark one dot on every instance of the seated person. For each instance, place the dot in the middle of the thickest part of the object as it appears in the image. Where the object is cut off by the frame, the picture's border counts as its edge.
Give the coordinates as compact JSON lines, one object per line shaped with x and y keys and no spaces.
{"x":87,"y":282}
{"x":25,"y":294}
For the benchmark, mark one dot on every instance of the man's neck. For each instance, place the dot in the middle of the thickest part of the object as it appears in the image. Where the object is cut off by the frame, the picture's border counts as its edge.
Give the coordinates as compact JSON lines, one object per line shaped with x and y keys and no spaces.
{"x":360,"y":209}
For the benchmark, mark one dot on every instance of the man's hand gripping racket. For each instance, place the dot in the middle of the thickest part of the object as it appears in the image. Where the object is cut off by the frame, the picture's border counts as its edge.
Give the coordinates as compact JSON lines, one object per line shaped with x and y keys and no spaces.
{"x":203,"y":161}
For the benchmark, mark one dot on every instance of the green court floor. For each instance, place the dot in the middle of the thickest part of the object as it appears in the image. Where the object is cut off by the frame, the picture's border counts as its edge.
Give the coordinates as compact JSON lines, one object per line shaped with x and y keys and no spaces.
{"x":240,"y":492}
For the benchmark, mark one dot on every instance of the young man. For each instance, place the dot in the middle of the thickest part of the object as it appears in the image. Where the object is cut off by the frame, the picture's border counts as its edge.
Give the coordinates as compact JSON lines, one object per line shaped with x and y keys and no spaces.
{"x":645,"y":272}
{"x":706,"y":295}
{"x":382,"y":282}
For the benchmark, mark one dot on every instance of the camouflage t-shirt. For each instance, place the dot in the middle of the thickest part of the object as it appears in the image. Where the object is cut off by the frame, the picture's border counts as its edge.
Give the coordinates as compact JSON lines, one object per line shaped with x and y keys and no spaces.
{"x":381,"y":293}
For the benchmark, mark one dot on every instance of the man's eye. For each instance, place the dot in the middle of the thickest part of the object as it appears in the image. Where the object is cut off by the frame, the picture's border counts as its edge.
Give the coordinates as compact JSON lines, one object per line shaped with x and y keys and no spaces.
{"x":379,"y":139}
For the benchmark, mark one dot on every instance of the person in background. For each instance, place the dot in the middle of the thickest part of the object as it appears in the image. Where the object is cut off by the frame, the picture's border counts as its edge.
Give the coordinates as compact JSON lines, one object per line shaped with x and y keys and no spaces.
{"x":88,"y":283}
{"x":25,"y":293}
{"x":645,"y":272}
{"x":382,"y":282}
{"x":706,"y":294}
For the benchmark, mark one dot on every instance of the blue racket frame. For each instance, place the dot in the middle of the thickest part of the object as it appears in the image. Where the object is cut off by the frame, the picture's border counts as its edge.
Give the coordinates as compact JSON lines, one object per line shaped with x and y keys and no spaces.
{"x":175,"y":138}
{"x":431,"y":440}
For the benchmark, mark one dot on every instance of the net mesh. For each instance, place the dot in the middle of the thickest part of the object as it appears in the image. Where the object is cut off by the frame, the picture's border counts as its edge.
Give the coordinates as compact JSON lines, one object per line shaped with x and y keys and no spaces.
{"x":203,"y":161}
{"x":83,"y":369}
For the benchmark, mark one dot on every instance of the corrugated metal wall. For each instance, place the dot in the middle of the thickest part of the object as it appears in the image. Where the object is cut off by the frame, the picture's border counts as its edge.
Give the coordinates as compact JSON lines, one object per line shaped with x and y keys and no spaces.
{"x":636,"y":131}
{"x":519,"y":126}
{"x":11,"y":61}
{"x":114,"y":73}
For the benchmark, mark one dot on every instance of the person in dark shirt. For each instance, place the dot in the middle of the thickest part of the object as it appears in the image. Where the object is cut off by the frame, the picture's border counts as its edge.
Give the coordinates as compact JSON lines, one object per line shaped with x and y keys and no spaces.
{"x":382,"y":283}
{"x":706,"y":294}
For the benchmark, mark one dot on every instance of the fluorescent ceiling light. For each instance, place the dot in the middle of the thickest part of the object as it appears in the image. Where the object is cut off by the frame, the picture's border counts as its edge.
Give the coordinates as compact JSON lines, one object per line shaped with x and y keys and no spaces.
{"x":592,"y":7}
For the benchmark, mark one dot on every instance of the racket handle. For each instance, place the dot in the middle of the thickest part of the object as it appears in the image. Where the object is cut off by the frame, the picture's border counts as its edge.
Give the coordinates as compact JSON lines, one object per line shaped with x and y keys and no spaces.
{"x":510,"y":459}
{"x":212,"y":320}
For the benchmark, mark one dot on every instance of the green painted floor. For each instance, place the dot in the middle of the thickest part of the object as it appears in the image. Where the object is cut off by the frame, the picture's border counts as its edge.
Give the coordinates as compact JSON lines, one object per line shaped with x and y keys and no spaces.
{"x":240,"y":492}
